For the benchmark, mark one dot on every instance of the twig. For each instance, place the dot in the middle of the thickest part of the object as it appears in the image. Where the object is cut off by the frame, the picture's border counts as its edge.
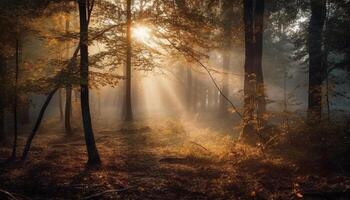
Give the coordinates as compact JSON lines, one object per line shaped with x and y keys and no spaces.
{"x":200,"y":146}
{"x":8,"y":194}
{"x":107,"y":191}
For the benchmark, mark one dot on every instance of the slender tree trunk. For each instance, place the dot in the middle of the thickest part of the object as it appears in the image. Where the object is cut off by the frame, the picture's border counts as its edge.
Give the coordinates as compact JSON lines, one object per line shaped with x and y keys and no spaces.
{"x":68,"y":110}
{"x":249,"y":73}
{"x":93,"y":156}
{"x":15,"y":127}
{"x":258,"y":36}
{"x":189,"y":88}
{"x":68,"y":107}
{"x":2,"y":102}
{"x":128,"y":105}
{"x":227,"y":26}
{"x":325,"y":62}
{"x":318,"y":15}
{"x":195,"y":94}
{"x":37,"y":124}
{"x":2,"y":118}
{"x":60,"y":106}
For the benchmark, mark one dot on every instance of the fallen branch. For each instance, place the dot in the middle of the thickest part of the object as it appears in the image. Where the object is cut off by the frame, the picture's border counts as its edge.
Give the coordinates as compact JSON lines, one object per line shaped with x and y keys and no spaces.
{"x":8,"y":194}
{"x":107,"y":191}
{"x":200,"y":146}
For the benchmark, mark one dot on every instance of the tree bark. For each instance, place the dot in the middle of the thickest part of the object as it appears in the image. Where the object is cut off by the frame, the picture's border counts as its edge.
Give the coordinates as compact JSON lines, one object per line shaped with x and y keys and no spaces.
{"x":15,"y":125}
{"x":2,"y":101}
{"x":68,"y":110}
{"x":258,"y":36}
{"x":318,"y":15}
{"x":249,"y":73}
{"x":60,"y":106}
{"x":227,"y":34}
{"x":128,"y":105}
{"x":2,"y":118}
{"x":68,"y":107}
{"x":93,"y":156}
{"x":37,"y":124}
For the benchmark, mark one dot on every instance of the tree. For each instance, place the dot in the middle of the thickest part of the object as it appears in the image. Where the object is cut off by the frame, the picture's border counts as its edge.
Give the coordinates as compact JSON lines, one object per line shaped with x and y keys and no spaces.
{"x":15,"y":102}
{"x":316,"y":71}
{"x":2,"y":102}
{"x":249,"y":72}
{"x":68,"y":107}
{"x":254,"y":94}
{"x":227,"y":9}
{"x":128,"y":105}
{"x":258,"y":37}
{"x":85,"y":8}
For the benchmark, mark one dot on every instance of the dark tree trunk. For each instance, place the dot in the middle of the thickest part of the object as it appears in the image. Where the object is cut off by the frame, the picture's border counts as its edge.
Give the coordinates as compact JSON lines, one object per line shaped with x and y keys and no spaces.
{"x":68,"y":107}
{"x":2,"y":102}
{"x":37,"y":124}
{"x":60,"y":106}
{"x":325,"y":62}
{"x":93,"y":156}
{"x":249,"y":73}
{"x":128,"y":106}
{"x":227,"y":34}
{"x":258,"y":31}
{"x":318,"y":15}
{"x":42,"y":112}
{"x":2,"y":118}
{"x":15,"y":127}
{"x":68,"y":110}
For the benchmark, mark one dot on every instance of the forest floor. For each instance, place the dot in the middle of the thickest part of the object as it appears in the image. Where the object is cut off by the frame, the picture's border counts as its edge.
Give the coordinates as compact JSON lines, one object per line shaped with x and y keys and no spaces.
{"x":163,"y":160}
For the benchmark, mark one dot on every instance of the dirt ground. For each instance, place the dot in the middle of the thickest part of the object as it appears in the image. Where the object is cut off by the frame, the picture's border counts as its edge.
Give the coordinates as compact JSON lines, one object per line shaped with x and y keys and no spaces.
{"x":160,"y":161}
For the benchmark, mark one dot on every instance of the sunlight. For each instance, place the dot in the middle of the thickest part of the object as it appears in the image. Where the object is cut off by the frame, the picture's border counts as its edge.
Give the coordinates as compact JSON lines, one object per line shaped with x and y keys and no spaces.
{"x":141,"y":33}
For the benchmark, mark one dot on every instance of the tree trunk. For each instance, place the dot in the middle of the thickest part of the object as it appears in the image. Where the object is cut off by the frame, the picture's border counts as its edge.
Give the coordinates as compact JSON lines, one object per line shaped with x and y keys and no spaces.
{"x":93,"y":156}
{"x":128,"y":106}
{"x":68,"y":110}
{"x":68,"y":107}
{"x":2,"y":102}
{"x":325,"y":62}
{"x":258,"y":36}
{"x":318,"y":15}
{"x":2,"y":118}
{"x":189,"y":89}
{"x":249,"y":130}
{"x":227,"y":26}
{"x":194,"y":94}
{"x":37,"y":124}
{"x":15,"y":127}
{"x":60,"y":106}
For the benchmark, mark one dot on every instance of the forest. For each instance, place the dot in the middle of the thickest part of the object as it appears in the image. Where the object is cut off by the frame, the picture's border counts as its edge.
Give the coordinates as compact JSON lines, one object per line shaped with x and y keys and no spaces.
{"x":175,"y":99}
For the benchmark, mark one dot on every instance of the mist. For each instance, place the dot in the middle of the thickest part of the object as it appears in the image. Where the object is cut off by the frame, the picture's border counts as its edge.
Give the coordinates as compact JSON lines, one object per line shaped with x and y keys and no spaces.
{"x":160,"y":99}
